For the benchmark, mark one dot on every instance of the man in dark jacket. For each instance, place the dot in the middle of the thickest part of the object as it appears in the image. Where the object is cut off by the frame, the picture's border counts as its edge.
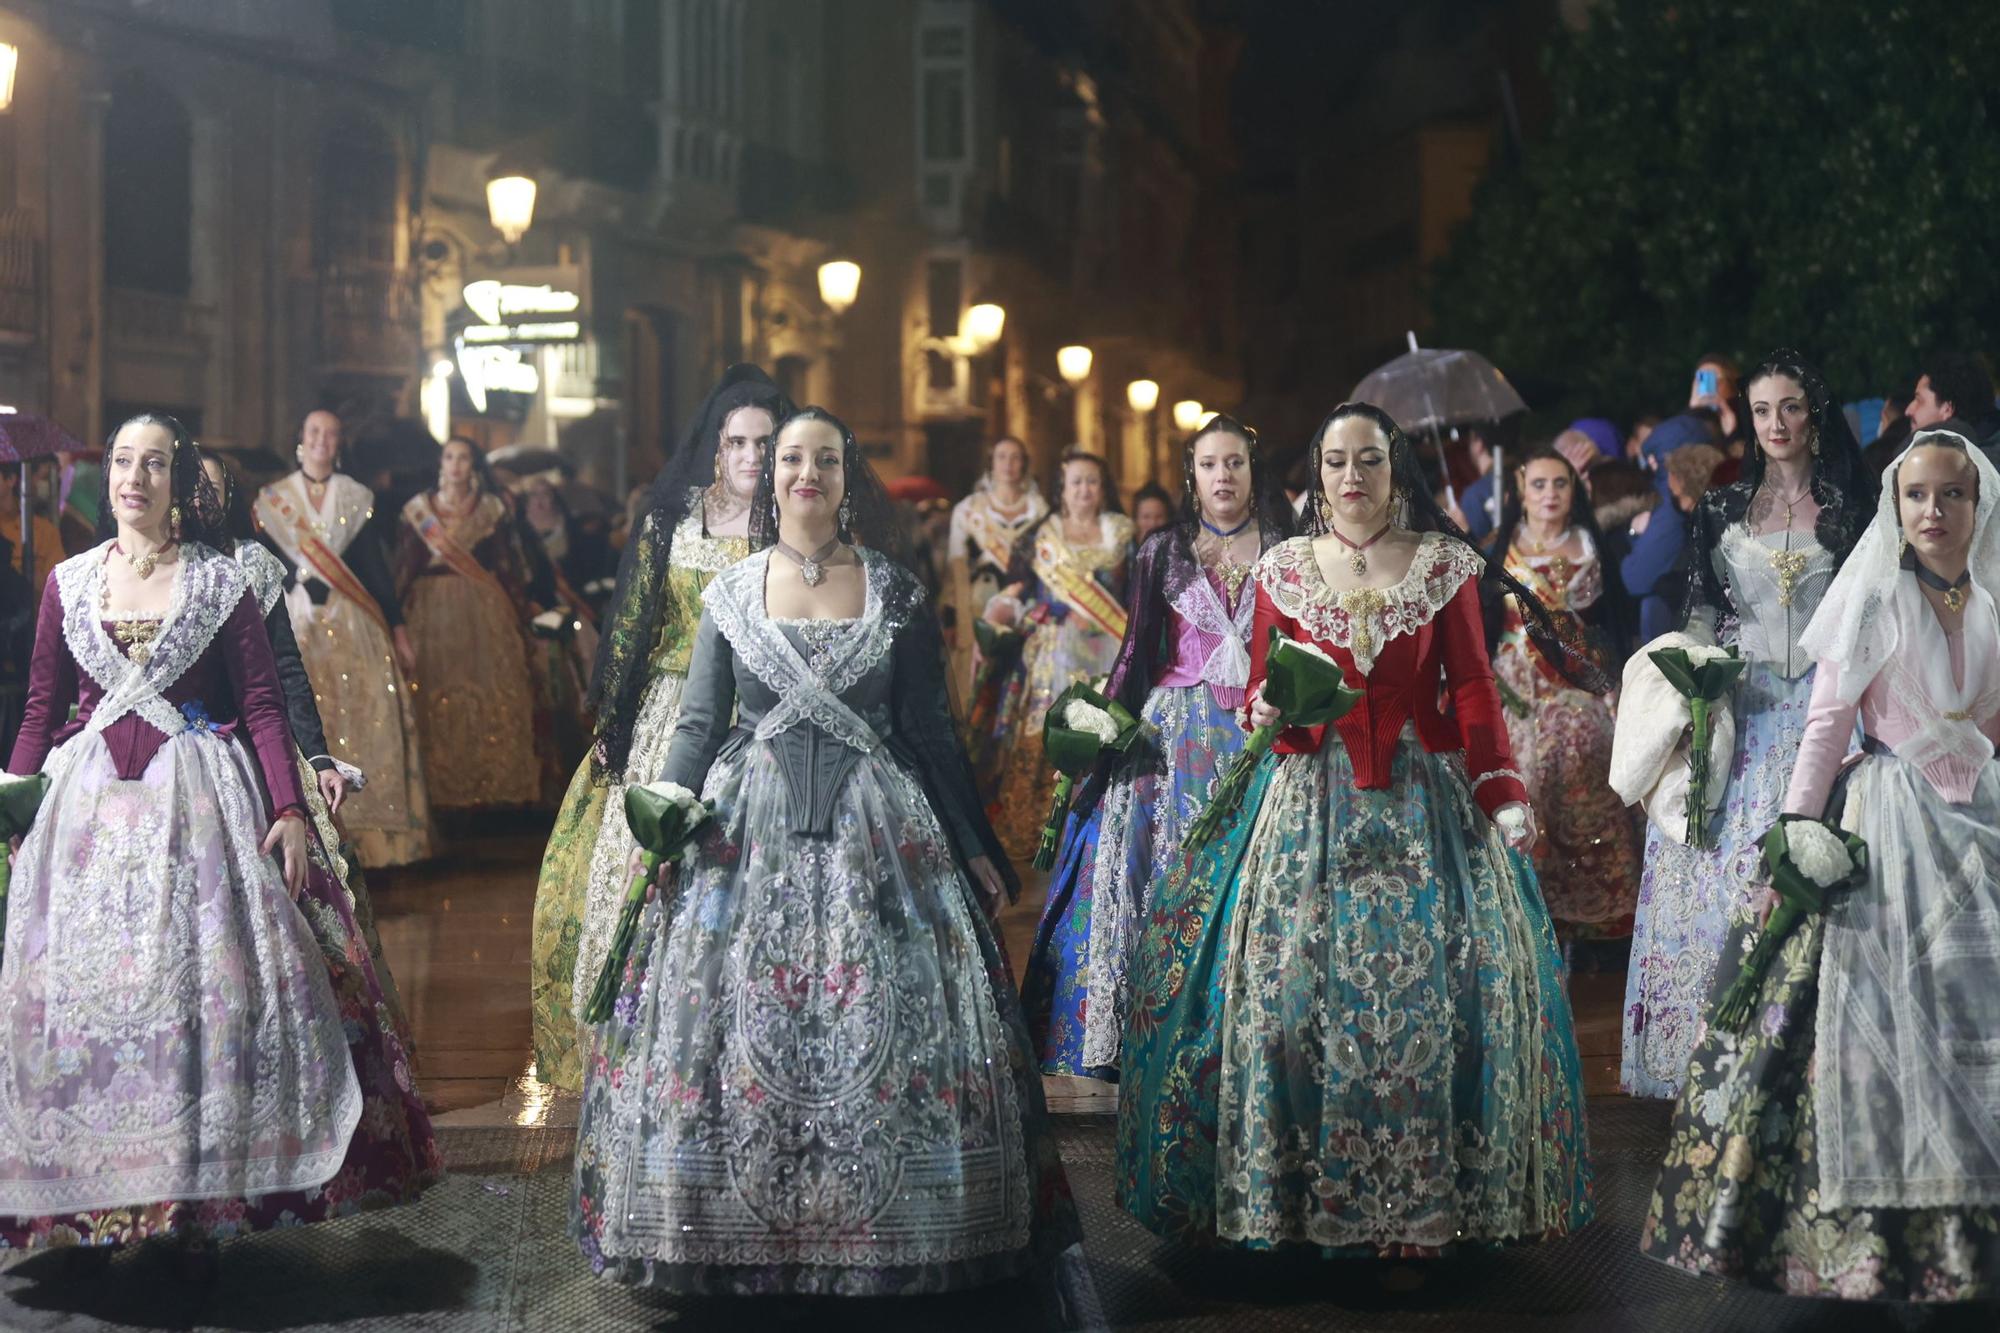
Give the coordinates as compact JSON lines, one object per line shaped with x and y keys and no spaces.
{"x":1954,"y":390}
{"x":1657,"y":536}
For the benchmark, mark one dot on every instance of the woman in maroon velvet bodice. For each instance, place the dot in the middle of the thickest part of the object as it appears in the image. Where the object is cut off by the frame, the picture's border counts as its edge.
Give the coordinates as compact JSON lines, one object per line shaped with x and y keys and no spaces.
{"x":234,"y":683}
{"x":159,"y":976}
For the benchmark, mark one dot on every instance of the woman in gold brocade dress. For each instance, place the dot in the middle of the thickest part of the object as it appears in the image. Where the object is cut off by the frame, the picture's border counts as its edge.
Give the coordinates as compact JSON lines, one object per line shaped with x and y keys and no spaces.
{"x":463,"y":574}
{"x":1067,"y":598}
{"x":696,"y":524}
{"x":357,"y":651}
{"x":984,"y":527}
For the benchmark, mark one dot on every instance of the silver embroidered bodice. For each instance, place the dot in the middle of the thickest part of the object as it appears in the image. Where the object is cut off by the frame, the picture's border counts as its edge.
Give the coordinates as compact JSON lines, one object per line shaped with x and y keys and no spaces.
{"x":1774,"y":581}
{"x":820,"y":694}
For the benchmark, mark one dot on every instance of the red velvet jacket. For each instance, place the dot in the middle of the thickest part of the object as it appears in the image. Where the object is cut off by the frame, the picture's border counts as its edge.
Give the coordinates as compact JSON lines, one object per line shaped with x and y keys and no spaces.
{"x":1425,"y":630}
{"x":234,"y":679}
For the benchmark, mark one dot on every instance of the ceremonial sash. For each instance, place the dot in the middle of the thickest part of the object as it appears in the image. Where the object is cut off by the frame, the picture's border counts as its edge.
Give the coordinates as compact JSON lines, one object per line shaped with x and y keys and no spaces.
{"x":431,"y":528}
{"x":1085,"y":596}
{"x":329,"y":567}
{"x":994,"y":540}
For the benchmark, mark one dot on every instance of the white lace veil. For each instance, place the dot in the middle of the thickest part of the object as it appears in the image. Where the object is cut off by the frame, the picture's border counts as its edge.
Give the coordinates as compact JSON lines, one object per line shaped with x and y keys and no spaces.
{"x":1856,"y":627}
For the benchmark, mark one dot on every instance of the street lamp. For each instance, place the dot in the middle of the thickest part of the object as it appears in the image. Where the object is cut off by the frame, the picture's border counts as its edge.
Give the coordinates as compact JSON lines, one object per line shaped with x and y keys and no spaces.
{"x":1188,"y":415}
{"x":1143,"y":395}
{"x":510,"y":203}
{"x":982,"y":325}
{"x":839,"y":284}
{"x":1074,"y":363}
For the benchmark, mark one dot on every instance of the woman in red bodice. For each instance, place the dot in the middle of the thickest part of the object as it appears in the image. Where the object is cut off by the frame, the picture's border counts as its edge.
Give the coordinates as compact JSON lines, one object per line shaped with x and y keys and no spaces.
{"x":1349,"y":1029}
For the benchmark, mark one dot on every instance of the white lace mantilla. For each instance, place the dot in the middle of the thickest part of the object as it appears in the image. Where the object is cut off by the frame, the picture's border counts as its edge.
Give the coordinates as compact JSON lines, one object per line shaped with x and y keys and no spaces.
{"x":207,"y":587}
{"x":843,"y":651}
{"x":1363,"y":620}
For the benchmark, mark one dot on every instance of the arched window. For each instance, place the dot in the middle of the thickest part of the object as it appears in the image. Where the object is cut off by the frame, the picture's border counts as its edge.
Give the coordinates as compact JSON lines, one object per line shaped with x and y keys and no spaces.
{"x":354,"y":213}
{"x":148,"y":188}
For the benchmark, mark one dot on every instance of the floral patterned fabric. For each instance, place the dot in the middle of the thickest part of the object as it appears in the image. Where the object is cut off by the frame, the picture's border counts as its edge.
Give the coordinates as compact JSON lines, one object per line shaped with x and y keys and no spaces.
{"x":582,"y":882}
{"x":1076,"y":989}
{"x":1687,"y":897}
{"x":1587,"y":860}
{"x":232,"y":1066}
{"x":1738,"y":1195}
{"x":1349,"y":1028}
{"x":816,"y":1078}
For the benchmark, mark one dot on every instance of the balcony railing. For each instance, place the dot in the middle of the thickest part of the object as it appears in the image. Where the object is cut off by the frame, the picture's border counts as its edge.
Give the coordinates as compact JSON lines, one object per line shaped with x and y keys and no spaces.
{"x":20,"y":276}
{"x":158,"y":322}
{"x":368,"y":320}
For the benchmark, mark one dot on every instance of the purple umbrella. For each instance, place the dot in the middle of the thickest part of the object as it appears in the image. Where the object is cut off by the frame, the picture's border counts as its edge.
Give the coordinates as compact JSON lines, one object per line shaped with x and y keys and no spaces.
{"x":25,"y":436}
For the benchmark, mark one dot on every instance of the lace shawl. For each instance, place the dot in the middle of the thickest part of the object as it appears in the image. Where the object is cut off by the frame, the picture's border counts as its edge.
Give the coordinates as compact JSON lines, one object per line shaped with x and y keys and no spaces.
{"x":1291,"y":577}
{"x":207,"y":588}
{"x":1166,"y":574}
{"x":809,"y":692}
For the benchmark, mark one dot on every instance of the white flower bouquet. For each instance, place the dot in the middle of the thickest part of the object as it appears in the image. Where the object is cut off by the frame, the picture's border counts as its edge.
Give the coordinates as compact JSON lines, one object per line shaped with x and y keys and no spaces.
{"x":664,"y":817}
{"x":1808,"y":860}
{"x":1703,"y":675}
{"x":1080,"y":727}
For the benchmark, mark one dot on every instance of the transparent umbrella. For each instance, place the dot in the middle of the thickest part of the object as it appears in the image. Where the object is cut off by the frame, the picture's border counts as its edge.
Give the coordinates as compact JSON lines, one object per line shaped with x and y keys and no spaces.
{"x":1435,"y":388}
{"x":25,"y":436}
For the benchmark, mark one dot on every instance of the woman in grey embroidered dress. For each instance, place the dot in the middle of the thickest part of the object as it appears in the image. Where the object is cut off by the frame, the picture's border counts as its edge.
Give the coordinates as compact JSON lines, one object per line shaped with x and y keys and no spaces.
{"x":1765,"y":549}
{"x":816,"y":1078}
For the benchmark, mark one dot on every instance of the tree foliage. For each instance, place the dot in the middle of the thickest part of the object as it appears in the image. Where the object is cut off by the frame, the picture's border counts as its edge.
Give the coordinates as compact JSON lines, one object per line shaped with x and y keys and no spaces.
{"x":1729,"y":176}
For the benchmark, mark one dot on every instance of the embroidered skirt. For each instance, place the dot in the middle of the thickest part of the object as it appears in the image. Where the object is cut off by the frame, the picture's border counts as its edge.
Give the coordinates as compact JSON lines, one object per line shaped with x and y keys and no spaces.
{"x":1349,"y":1027}
{"x":816,"y":1078}
{"x":182,"y":1047}
{"x":1687,"y":897}
{"x":1112,"y":856}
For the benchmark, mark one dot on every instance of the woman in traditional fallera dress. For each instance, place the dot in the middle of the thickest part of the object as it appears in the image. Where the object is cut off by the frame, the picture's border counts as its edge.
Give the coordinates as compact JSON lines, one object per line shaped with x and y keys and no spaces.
{"x":1846,"y":1143}
{"x":985,"y":525}
{"x":1348,"y":1021}
{"x":192,"y":1036}
{"x":697,"y":524}
{"x":1067,"y":596}
{"x":816,"y":1078}
{"x":349,"y":624}
{"x":463,"y":576}
{"x":1765,"y":550}
{"x":1182,"y":669}
{"x":1587,"y":860}
{"x":325,"y":780}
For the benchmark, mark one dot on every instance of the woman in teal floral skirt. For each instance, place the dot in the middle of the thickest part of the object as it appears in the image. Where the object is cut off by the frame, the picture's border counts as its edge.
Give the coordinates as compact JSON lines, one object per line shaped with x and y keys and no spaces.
{"x":1349,"y":1028}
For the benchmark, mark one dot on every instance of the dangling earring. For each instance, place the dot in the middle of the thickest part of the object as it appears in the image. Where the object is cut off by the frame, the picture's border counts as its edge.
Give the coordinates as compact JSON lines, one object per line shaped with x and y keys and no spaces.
{"x":1197,"y":501}
{"x":846,"y":513}
{"x":718,"y":465}
{"x":1815,"y":444}
{"x":1325,"y":509}
{"x":174,"y":520}
{"x":1401,"y":499}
